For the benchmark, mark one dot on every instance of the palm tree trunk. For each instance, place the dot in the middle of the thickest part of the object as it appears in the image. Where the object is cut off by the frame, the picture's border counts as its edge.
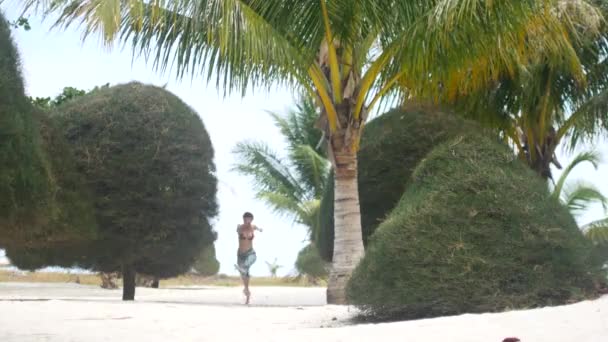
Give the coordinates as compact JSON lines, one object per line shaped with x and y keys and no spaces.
{"x":348,"y":241}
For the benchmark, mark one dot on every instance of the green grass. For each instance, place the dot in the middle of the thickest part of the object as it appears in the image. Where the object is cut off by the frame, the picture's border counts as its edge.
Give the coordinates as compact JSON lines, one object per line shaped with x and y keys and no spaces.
{"x":184,"y":280}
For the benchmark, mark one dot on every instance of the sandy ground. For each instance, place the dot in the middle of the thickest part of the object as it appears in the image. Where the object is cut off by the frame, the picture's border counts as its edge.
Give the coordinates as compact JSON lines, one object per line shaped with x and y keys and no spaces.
{"x":70,"y":312}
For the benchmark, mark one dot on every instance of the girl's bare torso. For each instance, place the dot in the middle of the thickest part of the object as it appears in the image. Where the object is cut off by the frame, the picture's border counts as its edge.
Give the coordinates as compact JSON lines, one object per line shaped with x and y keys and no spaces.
{"x":245,"y":234}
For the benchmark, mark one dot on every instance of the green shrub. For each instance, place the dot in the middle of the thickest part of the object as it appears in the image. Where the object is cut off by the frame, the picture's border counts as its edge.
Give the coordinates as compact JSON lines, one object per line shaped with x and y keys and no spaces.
{"x":476,"y":231}
{"x":25,"y":183}
{"x":41,"y":201}
{"x":391,"y":147}
{"x":309,"y":263}
{"x":147,"y":161}
{"x":206,"y":264}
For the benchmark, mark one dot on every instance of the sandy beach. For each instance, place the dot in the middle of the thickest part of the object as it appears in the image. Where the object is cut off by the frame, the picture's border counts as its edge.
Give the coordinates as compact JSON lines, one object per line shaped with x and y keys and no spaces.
{"x":72,"y":312}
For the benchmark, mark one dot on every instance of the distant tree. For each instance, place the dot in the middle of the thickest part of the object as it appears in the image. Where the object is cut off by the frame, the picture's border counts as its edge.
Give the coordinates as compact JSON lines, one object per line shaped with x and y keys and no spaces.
{"x":148,"y":160}
{"x":67,"y":94}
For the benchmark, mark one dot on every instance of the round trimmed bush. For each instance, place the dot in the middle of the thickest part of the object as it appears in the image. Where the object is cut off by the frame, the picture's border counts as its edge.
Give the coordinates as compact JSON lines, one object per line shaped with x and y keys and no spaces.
{"x":147,"y":160}
{"x":391,"y":147}
{"x":206,"y":264}
{"x":476,"y":231}
{"x":309,"y":263}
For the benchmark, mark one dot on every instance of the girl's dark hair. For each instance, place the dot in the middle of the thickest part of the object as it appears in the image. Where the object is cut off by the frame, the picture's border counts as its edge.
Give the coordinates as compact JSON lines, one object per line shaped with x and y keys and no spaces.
{"x":247,"y":214}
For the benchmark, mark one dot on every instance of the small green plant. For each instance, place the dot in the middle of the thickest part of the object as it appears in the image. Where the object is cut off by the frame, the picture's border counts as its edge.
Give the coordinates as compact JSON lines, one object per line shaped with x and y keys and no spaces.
{"x":273,"y":268}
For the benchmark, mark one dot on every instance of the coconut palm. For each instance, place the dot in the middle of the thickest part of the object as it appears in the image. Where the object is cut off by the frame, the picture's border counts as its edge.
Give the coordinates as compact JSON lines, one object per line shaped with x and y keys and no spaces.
{"x":349,"y":54}
{"x":543,"y":104}
{"x":292,"y":186}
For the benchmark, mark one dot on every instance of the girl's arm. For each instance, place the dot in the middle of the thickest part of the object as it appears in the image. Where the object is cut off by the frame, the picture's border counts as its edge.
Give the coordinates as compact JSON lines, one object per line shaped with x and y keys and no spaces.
{"x":258,"y":228}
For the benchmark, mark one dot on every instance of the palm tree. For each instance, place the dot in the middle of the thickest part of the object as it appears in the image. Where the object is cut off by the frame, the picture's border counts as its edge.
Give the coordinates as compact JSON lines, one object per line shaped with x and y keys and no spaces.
{"x":538,"y":106}
{"x":580,"y":195}
{"x":292,"y":186}
{"x":349,"y":54}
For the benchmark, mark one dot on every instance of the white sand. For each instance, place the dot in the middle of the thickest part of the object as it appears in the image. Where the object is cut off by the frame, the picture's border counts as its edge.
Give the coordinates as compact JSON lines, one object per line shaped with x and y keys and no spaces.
{"x":69,"y":312}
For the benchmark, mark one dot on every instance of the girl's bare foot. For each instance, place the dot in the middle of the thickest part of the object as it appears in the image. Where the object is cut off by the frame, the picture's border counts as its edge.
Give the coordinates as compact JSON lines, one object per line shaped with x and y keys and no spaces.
{"x":247,"y":295}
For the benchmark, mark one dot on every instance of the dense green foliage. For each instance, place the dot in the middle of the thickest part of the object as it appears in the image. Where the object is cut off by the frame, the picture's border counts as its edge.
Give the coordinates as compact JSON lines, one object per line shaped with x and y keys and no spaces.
{"x":309,"y":263}
{"x":206,"y":264}
{"x":41,"y":197}
{"x":475,"y":231}
{"x":147,"y":160}
{"x":25,"y":184}
{"x":391,"y":147}
{"x":67,"y":94}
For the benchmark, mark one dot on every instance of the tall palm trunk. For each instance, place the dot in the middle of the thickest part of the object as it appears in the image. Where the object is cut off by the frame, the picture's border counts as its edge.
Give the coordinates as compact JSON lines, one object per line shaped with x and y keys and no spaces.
{"x":348,"y":240}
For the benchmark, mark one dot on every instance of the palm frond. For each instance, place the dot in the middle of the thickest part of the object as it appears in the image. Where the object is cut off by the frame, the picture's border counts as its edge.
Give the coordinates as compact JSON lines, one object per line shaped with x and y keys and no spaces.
{"x":589,"y":120}
{"x":597,"y":231}
{"x":268,"y":170}
{"x":298,"y":126}
{"x":579,"y":196}
{"x":311,"y":167}
{"x":240,"y":43}
{"x":282,"y":204}
{"x":592,"y":157}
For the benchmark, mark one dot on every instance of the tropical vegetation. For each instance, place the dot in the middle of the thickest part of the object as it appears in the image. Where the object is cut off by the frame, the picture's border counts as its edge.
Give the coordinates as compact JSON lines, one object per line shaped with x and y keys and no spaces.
{"x":292,"y":185}
{"x":40,"y":197}
{"x":541,"y":106}
{"x":349,"y":54}
{"x":147,"y":161}
{"x":474,"y":232}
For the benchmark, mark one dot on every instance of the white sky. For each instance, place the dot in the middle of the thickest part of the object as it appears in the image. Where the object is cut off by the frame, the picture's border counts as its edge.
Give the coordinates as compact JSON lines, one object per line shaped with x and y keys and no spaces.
{"x":53,"y":59}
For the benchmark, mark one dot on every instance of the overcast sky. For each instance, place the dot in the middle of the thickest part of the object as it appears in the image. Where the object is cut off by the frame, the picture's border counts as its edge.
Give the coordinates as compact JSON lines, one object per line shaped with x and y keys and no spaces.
{"x":53,"y":59}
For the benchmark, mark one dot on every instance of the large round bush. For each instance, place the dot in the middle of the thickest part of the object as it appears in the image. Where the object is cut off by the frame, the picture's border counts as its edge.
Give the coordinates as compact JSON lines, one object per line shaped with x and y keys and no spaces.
{"x":147,"y":160}
{"x":475,"y":231}
{"x":391,"y":147}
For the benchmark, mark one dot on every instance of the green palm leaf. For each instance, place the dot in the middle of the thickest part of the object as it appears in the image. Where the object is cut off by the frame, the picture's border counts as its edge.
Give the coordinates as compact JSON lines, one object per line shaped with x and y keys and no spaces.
{"x":592,"y":157}
{"x":268,"y":170}
{"x":261,"y":43}
{"x":597,"y":231}
{"x":579,"y":196}
{"x":312,"y":168}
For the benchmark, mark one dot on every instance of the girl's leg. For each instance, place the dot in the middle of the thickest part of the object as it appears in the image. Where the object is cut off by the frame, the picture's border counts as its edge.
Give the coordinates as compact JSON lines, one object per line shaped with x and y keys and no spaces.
{"x":246,"y":290}
{"x":246,"y":265}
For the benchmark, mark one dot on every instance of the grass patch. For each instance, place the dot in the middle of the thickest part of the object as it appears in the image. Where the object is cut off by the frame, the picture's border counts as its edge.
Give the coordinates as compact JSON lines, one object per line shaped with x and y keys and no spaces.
{"x":184,"y":280}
